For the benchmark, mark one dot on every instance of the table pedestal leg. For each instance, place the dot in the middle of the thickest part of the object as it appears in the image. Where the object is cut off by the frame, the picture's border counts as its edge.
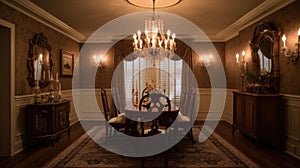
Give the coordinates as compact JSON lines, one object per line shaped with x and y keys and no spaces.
{"x":154,"y":128}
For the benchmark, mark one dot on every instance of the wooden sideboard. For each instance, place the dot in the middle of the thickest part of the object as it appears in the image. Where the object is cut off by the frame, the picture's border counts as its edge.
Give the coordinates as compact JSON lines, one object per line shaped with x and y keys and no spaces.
{"x":258,"y":116}
{"x":47,"y":120}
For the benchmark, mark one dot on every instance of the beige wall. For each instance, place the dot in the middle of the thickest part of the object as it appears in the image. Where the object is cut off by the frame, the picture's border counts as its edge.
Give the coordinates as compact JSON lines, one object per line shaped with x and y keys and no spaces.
{"x":287,"y":20}
{"x":200,"y":72}
{"x":103,"y":77}
{"x":26,"y":27}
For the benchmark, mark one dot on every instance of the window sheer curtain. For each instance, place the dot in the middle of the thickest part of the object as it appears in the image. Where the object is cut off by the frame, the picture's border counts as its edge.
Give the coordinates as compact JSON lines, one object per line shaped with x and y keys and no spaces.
{"x":186,"y":54}
{"x":122,"y":51}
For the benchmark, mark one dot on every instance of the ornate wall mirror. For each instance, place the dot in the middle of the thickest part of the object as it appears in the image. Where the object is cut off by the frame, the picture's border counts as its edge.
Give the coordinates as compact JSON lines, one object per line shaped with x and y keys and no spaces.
{"x":265,"y":56}
{"x":39,"y":62}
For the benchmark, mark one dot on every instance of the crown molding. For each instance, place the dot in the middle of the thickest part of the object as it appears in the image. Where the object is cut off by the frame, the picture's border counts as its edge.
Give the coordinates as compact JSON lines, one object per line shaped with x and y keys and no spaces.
{"x":35,"y":12}
{"x":266,"y":8}
{"x":261,"y":11}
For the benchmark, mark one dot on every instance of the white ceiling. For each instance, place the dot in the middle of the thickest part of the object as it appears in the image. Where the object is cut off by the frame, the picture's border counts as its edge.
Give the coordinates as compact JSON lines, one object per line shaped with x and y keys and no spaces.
{"x":219,"y":19}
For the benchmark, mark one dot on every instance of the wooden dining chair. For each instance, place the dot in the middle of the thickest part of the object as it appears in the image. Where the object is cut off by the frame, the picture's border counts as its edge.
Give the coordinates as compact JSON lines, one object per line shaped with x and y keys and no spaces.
{"x":154,"y":102}
{"x":186,"y":114}
{"x":114,"y":119}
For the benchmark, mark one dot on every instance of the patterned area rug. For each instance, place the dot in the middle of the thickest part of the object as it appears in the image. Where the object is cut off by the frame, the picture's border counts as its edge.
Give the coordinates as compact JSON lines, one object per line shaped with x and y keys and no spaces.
{"x":214,"y":152}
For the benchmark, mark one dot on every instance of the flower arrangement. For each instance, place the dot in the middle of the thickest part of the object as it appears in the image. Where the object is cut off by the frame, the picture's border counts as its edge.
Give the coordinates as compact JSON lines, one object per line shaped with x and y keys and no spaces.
{"x":259,"y":83}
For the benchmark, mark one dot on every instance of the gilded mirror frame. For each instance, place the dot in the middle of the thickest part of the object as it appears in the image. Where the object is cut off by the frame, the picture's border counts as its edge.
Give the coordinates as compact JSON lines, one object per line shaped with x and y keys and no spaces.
{"x":266,"y":39}
{"x":38,"y":40}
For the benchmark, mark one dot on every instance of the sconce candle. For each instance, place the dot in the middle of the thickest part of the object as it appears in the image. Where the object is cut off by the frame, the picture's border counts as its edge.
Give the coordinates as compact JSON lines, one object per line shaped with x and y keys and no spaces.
{"x":206,"y":60}
{"x":283,"y":40}
{"x":243,"y":53}
{"x":298,"y":36}
{"x":291,"y":55}
{"x":243,"y":58}
{"x":237,"y":57}
{"x":99,"y":60}
{"x":241,"y":62}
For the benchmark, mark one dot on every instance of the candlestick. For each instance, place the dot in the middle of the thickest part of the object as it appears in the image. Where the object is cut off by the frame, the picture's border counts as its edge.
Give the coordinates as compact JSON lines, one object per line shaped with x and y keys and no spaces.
{"x":136,"y":86}
{"x":56,"y":76}
{"x":59,"y":88}
{"x":132,"y":75}
{"x":49,"y":74}
{"x":136,"y":98}
{"x":37,"y":84}
{"x":51,"y":78}
{"x":34,"y":76}
{"x":139,"y":34}
{"x":243,"y":57}
{"x":44,"y":75}
{"x":37,"y":93}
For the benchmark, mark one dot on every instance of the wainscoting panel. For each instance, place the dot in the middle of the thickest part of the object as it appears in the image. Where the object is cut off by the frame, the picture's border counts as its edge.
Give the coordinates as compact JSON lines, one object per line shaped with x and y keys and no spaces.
{"x":228,"y":109}
{"x":69,"y":96}
{"x":291,"y":126}
{"x":19,"y":122}
{"x":290,"y":109}
{"x":88,"y":110}
{"x":205,"y":101}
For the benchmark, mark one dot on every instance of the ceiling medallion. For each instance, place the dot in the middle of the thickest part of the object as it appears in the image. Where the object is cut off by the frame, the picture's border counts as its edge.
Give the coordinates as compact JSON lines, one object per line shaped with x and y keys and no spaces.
{"x":148,"y":3}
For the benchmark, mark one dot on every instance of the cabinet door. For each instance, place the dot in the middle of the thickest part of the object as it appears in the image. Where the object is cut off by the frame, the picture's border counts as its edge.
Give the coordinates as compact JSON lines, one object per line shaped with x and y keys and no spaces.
{"x":239,"y":111}
{"x":39,"y":120}
{"x":249,"y":120}
{"x":62,"y":113}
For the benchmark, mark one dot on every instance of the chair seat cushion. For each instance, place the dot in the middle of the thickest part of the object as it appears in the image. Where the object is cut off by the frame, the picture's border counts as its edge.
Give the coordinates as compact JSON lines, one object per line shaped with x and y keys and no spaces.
{"x":182,"y":118}
{"x":117,"y":120}
{"x":121,"y":114}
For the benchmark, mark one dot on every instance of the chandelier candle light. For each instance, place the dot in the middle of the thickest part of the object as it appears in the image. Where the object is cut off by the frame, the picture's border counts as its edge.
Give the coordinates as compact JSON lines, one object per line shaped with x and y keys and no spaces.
{"x":153,"y":43}
{"x":154,"y":38}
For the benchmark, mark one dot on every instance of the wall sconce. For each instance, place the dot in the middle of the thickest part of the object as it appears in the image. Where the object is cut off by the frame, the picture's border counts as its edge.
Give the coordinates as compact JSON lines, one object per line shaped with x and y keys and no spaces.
{"x":242,"y":64}
{"x":292,"y":56}
{"x":206,"y":61}
{"x":99,"y":60}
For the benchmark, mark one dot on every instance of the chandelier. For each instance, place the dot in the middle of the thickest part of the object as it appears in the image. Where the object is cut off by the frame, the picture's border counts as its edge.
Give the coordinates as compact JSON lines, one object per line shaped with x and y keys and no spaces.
{"x":154,"y":42}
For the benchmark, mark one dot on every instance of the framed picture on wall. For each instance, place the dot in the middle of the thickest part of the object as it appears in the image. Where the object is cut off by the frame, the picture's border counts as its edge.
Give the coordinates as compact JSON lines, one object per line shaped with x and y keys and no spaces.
{"x":66,"y":63}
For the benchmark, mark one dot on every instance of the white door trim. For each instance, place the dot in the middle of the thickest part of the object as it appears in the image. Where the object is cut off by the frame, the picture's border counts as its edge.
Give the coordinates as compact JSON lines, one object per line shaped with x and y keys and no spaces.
{"x":11,"y":26}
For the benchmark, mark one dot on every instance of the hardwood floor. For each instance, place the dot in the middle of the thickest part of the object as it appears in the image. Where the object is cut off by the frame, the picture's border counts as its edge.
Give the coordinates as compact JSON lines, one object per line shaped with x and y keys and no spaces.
{"x":37,"y":155}
{"x":263,"y":155}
